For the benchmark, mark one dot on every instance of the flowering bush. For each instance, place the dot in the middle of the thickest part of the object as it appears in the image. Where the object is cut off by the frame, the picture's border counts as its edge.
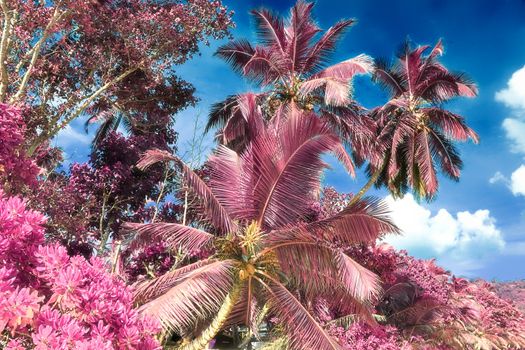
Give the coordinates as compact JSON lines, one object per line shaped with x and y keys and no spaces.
{"x":361,"y":336}
{"x":16,"y":169}
{"x":426,"y":304}
{"x":49,"y":300}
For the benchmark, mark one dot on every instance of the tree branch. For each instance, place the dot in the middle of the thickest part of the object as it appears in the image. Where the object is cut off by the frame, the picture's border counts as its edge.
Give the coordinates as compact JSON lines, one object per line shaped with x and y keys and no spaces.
{"x":36,"y":52}
{"x":87,"y":101}
{"x":6,"y":32}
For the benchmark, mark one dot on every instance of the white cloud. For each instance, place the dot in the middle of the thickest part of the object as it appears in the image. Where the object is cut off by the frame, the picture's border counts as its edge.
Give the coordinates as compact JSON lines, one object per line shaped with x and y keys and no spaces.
{"x":513,"y":95}
{"x":459,"y":241}
{"x":497,"y":178}
{"x":517,"y":181}
{"x":69,"y":136}
{"x":515,"y":132}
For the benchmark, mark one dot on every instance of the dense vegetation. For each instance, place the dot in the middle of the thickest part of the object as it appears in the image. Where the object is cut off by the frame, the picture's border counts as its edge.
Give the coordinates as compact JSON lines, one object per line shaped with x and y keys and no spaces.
{"x":138,"y":248}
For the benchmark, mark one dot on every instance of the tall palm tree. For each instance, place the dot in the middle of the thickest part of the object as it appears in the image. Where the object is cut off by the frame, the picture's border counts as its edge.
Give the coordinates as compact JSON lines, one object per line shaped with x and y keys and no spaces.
{"x":416,"y":129}
{"x":289,"y":65}
{"x":263,"y":250}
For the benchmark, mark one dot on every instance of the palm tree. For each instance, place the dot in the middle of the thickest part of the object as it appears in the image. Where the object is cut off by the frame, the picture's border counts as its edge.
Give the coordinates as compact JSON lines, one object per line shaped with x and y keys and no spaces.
{"x":413,"y":125}
{"x":290,"y":68}
{"x":265,"y":256}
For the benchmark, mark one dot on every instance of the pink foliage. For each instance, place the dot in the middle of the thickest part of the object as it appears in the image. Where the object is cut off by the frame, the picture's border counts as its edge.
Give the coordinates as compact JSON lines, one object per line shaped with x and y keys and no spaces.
{"x":360,"y":336}
{"x":428,"y":304}
{"x":513,"y":292}
{"x":49,"y":300}
{"x":15,"y":168}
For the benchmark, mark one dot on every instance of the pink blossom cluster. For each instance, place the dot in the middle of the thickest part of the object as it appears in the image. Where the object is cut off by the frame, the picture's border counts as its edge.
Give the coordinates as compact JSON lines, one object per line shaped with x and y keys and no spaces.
{"x":15,"y":168}
{"x":330,"y":203}
{"x":361,"y":336}
{"x":49,"y":300}
{"x":432,"y":280}
{"x":427,"y":305}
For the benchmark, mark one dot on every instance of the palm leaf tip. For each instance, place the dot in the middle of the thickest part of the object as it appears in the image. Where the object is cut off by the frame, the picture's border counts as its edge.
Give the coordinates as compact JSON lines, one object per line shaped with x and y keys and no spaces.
{"x":270,"y":28}
{"x":363,"y":284}
{"x":236,"y":53}
{"x":303,"y":331}
{"x":198,"y":297}
{"x":154,"y":156}
{"x":176,"y":236}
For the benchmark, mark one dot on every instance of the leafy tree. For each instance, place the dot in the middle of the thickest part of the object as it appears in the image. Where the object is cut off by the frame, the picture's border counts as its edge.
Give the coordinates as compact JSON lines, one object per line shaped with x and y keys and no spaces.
{"x":416,"y":129}
{"x":255,"y":205}
{"x":110,"y":59}
{"x":290,"y":67}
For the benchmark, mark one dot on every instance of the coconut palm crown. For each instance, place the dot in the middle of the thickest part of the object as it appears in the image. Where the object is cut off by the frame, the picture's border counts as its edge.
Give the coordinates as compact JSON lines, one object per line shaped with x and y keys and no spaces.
{"x":417,"y":130}
{"x":266,"y":255}
{"x":289,"y":64}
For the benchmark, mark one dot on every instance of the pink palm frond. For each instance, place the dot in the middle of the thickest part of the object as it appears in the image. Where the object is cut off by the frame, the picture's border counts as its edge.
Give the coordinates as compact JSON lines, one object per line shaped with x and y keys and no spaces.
{"x":221,"y":112}
{"x":299,"y":33}
{"x":326,"y":45}
{"x":302,"y":331}
{"x":175,"y":236}
{"x":150,"y":289}
{"x":239,"y":119}
{"x":342,"y":155}
{"x":270,"y":29}
{"x":453,"y":125}
{"x":212,"y":207}
{"x":236,"y":53}
{"x":318,"y":267}
{"x":361,"y":222}
{"x":362,"y":283}
{"x":287,"y":168}
{"x":336,"y":80}
{"x":361,"y":64}
{"x":154,"y":156}
{"x":197,"y":297}
{"x":226,"y":180}
{"x":425,"y":164}
{"x":445,"y":154}
{"x":266,"y":66}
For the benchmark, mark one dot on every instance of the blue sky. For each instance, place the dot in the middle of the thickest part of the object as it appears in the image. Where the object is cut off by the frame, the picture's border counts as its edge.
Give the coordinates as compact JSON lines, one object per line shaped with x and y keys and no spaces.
{"x":475,"y":227}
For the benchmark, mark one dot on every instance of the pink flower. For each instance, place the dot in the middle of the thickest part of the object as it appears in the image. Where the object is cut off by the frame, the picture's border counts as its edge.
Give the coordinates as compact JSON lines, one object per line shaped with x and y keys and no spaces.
{"x":61,"y":302}
{"x":45,"y":338}
{"x":14,"y":344}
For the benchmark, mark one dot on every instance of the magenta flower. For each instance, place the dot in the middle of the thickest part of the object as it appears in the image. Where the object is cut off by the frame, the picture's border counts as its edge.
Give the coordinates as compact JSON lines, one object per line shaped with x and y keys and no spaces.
{"x":49,"y":300}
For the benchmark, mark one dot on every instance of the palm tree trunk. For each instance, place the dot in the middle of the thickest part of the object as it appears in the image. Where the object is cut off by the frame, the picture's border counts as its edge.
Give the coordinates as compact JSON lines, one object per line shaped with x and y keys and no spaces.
{"x":215,"y":326}
{"x":367,"y":186}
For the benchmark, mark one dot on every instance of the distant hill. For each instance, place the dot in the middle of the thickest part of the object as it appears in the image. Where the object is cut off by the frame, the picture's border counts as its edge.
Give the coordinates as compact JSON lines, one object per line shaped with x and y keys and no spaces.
{"x":513,"y":291}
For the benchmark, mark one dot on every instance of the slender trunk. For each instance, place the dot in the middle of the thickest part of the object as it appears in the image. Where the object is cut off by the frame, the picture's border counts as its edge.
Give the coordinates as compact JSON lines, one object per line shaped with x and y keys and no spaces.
{"x":367,"y":186}
{"x":103,"y":234}
{"x":184,"y":216}
{"x":161,"y":193}
{"x":236,"y":338}
{"x":115,"y":258}
{"x":6,"y":32}
{"x":216,"y":324}
{"x":36,"y":52}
